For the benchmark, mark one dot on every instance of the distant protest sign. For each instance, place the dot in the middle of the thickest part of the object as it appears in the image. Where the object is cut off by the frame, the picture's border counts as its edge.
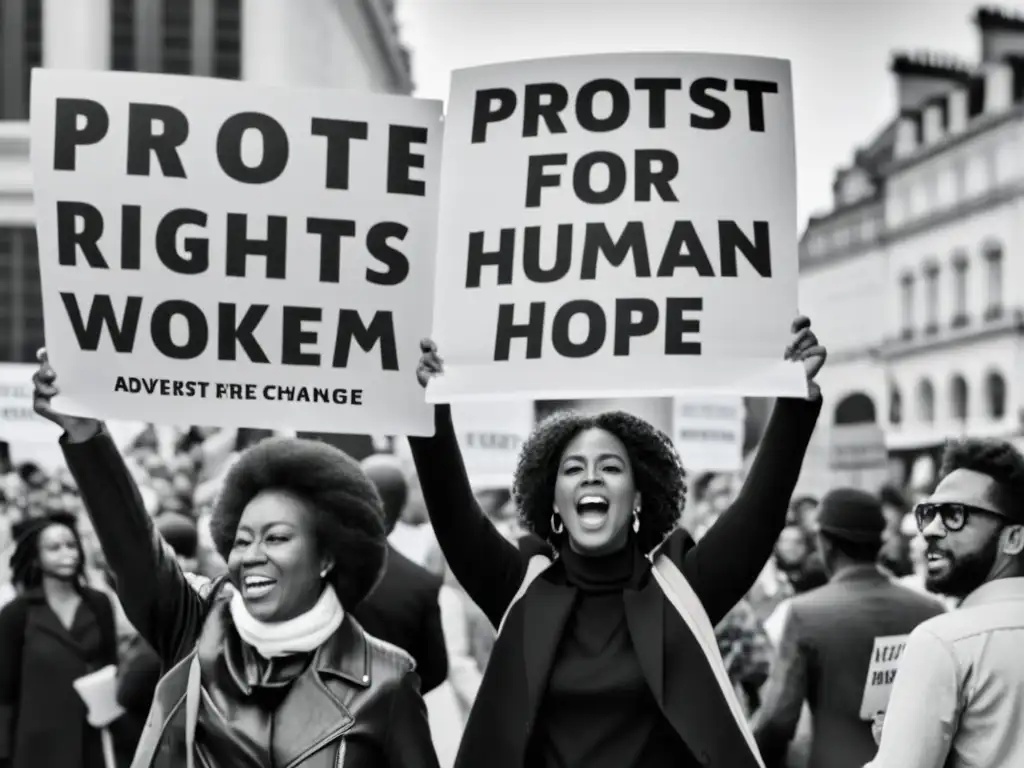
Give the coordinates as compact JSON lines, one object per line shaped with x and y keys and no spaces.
{"x":708,"y":432}
{"x":228,"y":254}
{"x":617,"y":226}
{"x":491,"y":436}
{"x":18,"y":422}
{"x":885,"y":658}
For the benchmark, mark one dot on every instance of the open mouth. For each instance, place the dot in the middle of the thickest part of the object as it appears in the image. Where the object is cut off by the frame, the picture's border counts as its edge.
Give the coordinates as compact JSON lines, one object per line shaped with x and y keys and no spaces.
{"x":255,"y":587}
{"x":592,"y":511}
{"x":937,"y":562}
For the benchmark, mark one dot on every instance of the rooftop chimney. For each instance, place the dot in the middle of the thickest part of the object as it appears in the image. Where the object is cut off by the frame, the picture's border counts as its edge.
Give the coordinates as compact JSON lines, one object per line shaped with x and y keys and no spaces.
{"x":1002,"y":33}
{"x":922,"y":76}
{"x":998,"y":87}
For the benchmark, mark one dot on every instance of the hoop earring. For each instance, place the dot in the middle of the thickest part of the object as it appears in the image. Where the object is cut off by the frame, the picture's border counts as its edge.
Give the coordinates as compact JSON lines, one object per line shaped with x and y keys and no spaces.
{"x":636,"y":520}
{"x":556,"y":524}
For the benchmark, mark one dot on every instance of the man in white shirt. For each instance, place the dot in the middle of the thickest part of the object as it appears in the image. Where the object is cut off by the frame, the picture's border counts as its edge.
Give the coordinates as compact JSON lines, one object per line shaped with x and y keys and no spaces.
{"x":958,"y":698}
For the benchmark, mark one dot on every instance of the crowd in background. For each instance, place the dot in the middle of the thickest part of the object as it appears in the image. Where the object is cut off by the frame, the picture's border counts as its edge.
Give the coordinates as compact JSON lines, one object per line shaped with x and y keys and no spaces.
{"x":177,"y":473}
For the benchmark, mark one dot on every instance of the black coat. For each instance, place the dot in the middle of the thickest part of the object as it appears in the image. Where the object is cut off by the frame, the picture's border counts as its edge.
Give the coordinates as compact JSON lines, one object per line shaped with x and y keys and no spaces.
{"x":403,"y":611}
{"x":354,"y":703}
{"x":720,"y":569}
{"x":42,"y":719}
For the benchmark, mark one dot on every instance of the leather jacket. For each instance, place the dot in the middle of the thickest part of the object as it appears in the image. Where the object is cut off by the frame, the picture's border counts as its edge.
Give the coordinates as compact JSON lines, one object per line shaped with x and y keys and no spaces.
{"x":352,"y":703}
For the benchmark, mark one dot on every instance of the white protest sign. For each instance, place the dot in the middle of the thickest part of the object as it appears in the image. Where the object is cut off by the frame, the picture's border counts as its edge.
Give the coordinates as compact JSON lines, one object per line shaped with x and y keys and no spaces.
{"x":857,"y":447}
{"x":708,"y":432}
{"x":490,"y":436}
{"x":229,"y":254}
{"x":18,"y":422}
{"x":617,"y":226}
{"x":885,"y":658}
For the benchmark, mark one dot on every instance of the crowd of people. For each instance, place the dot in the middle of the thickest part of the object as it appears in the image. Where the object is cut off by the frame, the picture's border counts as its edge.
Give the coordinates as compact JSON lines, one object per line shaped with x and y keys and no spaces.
{"x":603,"y":610}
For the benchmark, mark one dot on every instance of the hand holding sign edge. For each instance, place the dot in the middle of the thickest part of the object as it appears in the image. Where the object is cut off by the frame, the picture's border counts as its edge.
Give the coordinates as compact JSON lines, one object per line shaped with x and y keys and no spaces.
{"x":44,"y":384}
{"x":806,"y":348}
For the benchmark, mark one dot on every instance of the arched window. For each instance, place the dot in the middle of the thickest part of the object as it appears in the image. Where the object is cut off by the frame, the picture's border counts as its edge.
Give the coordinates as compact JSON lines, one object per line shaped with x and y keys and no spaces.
{"x":993,"y":252}
{"x":995,"y":395}
{"x":895,"y":406}
{"x":907,"y":309}
{"x":958,"y":399}
{"x":925,"y":402}
{"x":931,"y":297}
{"x":857,"y":408}
{"x":959,"y":289}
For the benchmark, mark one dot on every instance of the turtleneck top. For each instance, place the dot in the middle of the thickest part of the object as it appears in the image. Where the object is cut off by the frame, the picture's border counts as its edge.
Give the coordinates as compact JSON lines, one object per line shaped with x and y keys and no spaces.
{"x":598,"y":710}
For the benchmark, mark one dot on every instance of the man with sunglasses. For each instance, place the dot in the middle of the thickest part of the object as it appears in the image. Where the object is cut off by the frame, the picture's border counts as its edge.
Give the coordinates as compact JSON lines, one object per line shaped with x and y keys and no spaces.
{"x":959,"y":690}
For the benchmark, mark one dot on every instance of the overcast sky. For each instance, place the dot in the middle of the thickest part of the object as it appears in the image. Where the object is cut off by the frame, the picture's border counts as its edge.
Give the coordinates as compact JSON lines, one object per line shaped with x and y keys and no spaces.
{"x":840,"y":52}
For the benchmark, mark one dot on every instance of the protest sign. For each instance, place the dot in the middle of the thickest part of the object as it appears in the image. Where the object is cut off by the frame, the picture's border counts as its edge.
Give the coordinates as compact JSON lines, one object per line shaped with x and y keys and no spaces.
{"x":18,"y":422}
{"x":617,"y":226}
{"x":885,"y":658}
{"x":708,"y":432}
{"x":229,"y":254}
{"x":858,"y":447}
{"x":490,"y":436}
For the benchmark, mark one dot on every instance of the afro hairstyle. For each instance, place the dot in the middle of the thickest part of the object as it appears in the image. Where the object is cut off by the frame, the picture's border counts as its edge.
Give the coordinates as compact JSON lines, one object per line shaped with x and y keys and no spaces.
{"x":999,"y":460}
{"x":349,"y":517}
{"x":25,"y":570}
{"x":657,"y":472}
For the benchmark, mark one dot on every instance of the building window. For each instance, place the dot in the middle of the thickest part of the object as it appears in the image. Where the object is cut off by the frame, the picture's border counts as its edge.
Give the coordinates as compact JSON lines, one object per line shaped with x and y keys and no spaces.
{"x":227,"y":39}
{"x":993,"y":281}
{"x":995,"y":396}
{"x":176,"y":43}
{"x":21,"y":304}
{"x":959,"y":290}
{"x":178,"y":37}
{"x":907,"y":306}
{"x":122,"y":35}
{"x":931,"y":298}
{"x":895,"y":406}
{"x":958,"y":399}
{"x":21,"y":49}
{"x":925,"y":402}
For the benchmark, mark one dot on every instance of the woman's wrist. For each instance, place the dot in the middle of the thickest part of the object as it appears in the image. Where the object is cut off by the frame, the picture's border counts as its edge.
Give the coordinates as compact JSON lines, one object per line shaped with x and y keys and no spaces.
{"x":813,"y":390}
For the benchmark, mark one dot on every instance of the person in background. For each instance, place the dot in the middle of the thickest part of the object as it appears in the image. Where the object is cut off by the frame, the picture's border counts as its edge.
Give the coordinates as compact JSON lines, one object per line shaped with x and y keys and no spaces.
{"x":746,"y":651}
{"x":55,"y":631}
{"x":805,"y":511}
{"x":828,"y":638}
{"x":958,"y":698}
{"x":467,"y":634}
{"x":895,"y":554}
{"x":403,"y":608}
{"x":413,"y":534}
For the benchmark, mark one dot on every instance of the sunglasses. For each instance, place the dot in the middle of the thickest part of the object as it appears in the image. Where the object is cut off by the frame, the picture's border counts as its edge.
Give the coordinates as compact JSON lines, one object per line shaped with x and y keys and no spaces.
{"x":954,"y":515}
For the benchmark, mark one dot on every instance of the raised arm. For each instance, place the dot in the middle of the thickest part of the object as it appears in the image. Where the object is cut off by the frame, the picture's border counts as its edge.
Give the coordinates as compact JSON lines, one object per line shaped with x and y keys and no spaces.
{"x":725,"y":563}
{"x":483,"y":561}
{"x":157,"y":599}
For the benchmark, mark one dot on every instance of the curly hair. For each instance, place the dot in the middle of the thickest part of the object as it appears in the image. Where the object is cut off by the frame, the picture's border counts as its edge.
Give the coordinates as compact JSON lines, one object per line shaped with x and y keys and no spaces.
{"x":349,"y":518}
{"x":996,"y":458}
{"x":657,"y":472}
{"x":25,"y":570}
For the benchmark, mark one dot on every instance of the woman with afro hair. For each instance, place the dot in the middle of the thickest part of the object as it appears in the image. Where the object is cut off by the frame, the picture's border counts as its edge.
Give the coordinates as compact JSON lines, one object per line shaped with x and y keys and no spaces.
{"x":265,"y":668}
{"x":55,"y":631}
{"x":606,"y":655}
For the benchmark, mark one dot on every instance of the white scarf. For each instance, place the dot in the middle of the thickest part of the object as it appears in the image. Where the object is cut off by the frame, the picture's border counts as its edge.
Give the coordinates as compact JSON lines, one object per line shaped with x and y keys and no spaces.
{"x":302,"y":634}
